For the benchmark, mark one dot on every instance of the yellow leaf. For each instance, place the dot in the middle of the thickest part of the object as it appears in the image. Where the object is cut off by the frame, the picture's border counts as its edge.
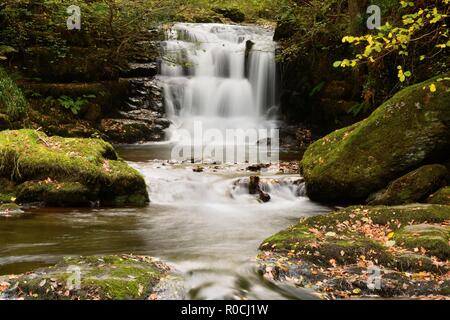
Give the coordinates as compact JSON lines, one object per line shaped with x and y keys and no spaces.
{"x":356,"y":291}
{"x":390,"y":235}
{"x":432,"y":87}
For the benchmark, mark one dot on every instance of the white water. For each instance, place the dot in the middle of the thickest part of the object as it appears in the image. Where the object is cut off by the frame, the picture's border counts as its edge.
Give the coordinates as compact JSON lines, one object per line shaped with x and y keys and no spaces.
{"x":209,"y":80}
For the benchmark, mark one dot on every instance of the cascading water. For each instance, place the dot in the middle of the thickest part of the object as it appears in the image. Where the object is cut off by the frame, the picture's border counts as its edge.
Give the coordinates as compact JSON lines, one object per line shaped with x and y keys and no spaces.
{"x":206,"y":224}
{"x":222,"y":76}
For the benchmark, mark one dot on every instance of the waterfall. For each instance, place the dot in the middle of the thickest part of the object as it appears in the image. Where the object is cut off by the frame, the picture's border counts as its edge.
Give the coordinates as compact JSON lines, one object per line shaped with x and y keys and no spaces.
{"x":222,"y":76}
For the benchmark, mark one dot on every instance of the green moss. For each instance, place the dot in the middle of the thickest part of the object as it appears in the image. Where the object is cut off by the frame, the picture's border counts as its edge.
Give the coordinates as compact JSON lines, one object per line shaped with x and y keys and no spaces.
{"x":401,"y":134}
{"x":55,"y":193}
{"x":435,"y":239}
{"x":412,"y":187}
{"x":442,"y":196}
{"x":384,"y":215}
{"x":318,"y":238}
{"x":102,"y":277}
{"x":12,"y":101}
{"x":28,"y":155}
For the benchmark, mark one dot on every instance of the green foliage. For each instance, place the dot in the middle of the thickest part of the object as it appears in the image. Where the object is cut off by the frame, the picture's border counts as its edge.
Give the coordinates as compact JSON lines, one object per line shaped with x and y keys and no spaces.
{"x":422,"y":34}
{"x":74,"y":105}
{"x":12,"y":100}
{"x":311,"y":25}
{"x":317,"y":88}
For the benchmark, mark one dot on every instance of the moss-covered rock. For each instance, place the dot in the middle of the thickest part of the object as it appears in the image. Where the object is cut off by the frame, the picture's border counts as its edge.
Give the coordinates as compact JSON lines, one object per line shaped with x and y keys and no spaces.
{"x":442,"y":196}
{"x":10,"y":209}
{"x":412,"y":187}
{"x":48,"y":168}
{"x":406,"y":246}
{"x":433,"y":238}
{"x":101,"y":277}
{"x":407,"y":130}
{"x":352,"y":232}
{"x":53,"y":193}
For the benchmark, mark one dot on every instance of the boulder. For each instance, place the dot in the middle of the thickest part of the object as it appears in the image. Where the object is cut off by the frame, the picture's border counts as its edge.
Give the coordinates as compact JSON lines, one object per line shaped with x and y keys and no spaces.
{"x":442,"y":196}
{"x":68,"y":171}
{"x":53,"y":193}
{"x":412,"y":187}
{"x":434,"y":239}
{"x":407,"y":130}
{"x":100,"y":277}
{"x":131,"y":131}
{"x":334,"y":253}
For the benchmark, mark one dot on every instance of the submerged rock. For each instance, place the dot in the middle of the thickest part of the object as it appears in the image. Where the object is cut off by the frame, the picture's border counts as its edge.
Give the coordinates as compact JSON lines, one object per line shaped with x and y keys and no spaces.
{"x":92,"y":278}
{"x":67,"y":171}
{"x":10,"y":209}
{"x":335,"y":253}
{"x":407,"y":130}
{"x":412,"y":187}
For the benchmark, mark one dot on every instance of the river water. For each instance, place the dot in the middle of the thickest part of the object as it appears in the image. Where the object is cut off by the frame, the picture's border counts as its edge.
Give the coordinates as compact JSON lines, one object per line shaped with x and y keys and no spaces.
{"x":202,"y":223}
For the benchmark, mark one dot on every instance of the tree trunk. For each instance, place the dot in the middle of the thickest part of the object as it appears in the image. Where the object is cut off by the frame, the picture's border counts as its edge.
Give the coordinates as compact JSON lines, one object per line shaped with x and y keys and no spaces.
{"x":357,"y":10}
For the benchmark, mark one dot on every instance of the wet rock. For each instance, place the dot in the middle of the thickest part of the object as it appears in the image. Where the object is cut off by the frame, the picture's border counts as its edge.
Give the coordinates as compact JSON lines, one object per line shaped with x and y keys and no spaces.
{"x":263,"y":196}
{"x":10,"y":209}
{"x":140,"y":70}
{"x":257,"y":167}
{"x":412,"y":187}
{"x":253,"y":186}
{"x":403,"y":133}
{"x":142,"y":118}
{"x":100,"y":277}
{"x":198,"y":169}
{"x":130,"y":131}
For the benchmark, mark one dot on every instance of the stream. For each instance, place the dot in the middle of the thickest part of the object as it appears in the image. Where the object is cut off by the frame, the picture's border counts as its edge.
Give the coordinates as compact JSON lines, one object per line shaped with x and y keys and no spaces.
{"x":204,"y":224}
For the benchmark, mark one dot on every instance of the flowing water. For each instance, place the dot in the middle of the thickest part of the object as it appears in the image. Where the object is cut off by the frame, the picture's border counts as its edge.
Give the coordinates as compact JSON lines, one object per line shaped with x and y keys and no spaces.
{"x":204,"y":224}
{"x":221,"y":76}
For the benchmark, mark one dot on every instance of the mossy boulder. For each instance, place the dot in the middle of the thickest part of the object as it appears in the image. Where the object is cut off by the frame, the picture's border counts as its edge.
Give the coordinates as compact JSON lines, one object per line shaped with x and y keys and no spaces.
{"x":100,"y":277}
{"x":55,"y":169}
{"x":433,"y":238}
{"x":442,"y":196}
{"x":406,"y":246}
{"x":350,"y":233}
{"x":351,"y":163}
{"x":7,"y":190}
{"x":412,"y":187}
{"x":53,"y":193}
